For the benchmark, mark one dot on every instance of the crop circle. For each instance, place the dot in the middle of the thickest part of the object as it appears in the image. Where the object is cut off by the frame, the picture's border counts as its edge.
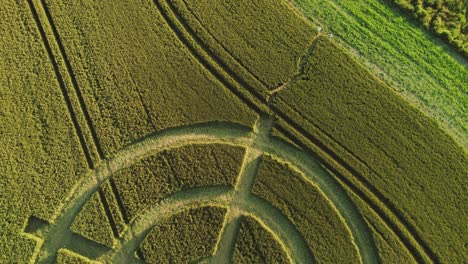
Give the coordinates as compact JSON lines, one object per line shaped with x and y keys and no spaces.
{"x":257,"y":143}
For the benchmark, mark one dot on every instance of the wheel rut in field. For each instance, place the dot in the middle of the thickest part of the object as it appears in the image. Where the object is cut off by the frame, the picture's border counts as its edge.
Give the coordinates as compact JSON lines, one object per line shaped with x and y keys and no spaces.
{"x":77,"y":109}
{"x":222,"y":60}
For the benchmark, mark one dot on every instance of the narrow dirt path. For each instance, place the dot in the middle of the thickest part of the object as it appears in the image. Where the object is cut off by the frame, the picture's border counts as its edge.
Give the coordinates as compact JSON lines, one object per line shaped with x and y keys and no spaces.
{"x":300,"y":68}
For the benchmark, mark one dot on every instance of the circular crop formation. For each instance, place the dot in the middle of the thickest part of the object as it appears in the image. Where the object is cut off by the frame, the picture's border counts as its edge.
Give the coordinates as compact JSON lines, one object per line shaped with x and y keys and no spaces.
{"x":305,"y":164}
{"x":244,"y":206}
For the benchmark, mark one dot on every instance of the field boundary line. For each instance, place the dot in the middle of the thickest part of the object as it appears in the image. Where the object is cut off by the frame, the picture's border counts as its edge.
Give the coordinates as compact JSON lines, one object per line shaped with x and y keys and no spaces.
{"x":390,"y":208}
{"x":453,"y":129}
{"x":244,"y":85}
{"x":429,"y":68}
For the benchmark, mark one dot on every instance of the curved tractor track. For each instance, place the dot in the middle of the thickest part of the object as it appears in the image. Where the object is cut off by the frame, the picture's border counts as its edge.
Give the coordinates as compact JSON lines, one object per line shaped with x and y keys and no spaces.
{"x":244,"y":89}
{"x":239,"y":201}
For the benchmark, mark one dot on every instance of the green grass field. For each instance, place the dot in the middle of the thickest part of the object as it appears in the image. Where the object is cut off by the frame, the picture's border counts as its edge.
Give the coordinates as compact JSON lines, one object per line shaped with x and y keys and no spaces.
{"x":421,"y":67}
{"x":223,"y":132}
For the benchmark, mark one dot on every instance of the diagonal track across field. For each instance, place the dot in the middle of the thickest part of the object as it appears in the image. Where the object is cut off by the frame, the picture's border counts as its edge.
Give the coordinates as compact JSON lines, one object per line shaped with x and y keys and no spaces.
{"x":69,"y":87}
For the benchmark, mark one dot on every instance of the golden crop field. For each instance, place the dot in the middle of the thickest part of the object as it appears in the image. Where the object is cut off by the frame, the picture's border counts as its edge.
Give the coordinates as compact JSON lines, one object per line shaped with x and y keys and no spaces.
{"x":178,"y":131}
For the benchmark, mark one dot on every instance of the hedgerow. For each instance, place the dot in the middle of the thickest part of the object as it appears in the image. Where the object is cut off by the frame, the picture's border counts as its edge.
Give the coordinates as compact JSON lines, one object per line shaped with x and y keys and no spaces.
{"x":448,"y":18}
